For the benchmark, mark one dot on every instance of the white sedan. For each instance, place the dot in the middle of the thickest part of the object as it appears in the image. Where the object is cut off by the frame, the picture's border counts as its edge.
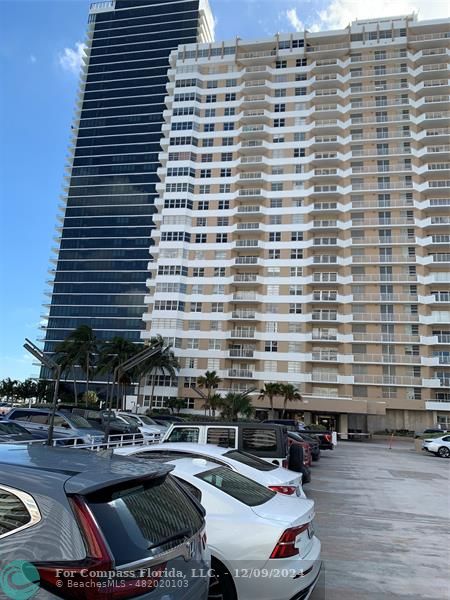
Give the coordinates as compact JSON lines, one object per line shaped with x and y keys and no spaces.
{"x":262,"y":544}
{"x":439,"y":446}
{"x":272,"y":476}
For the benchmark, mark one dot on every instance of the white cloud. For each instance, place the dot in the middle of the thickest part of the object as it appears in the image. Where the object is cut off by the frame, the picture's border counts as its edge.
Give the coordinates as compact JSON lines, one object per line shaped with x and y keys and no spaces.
{"x":337,"y":14}
{"x":293,"y":19}
{"x":33,"y":59}
{"x":71,"y":59}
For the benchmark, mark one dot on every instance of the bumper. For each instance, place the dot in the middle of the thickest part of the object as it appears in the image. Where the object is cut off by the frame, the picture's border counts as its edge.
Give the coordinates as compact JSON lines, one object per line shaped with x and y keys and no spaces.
{"x":280,"y":579}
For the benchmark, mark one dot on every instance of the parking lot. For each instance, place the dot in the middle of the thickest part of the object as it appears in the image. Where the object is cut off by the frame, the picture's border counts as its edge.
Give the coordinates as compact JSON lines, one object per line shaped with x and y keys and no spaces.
{"x":383,"y":517}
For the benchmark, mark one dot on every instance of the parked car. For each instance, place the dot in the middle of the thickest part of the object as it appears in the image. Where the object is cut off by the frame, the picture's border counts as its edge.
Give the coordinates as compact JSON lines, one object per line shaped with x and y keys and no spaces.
{"x":68,"y":425}
{"x":431,"y":430}
{"x":276,"y":478}
{"x":13,"y":432}
{"x":269,"y":442}
{"x":88,"y":514}
{"x":325,"y":438}
{"x":253,"y":534}
{"x":313,"y":444}
{"x":167,"y":419}
{"x":143,"y":420}
{"x":151,"y":434}
{"x":439,"y":446}
{"x":103,"y":420}
{"x":289,"y":423}
{"x":301,"y":453}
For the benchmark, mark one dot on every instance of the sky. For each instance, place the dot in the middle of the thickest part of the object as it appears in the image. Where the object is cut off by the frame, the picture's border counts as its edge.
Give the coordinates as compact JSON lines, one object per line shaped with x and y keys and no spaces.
{"x":40,"y":46}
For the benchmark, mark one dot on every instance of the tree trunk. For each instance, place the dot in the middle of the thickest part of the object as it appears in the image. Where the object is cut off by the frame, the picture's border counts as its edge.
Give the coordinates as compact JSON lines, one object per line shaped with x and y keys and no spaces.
{"x":153,"y":390}
{"x":271,"y":412}
{"x":137,"y":394}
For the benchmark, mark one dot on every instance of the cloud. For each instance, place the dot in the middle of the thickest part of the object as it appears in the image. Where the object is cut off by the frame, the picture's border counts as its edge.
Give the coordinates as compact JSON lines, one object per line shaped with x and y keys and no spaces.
{"x":337,"y":14}
{"x":71,"y":59}
{"x":293,"y":19}
{"x":32,"y":58}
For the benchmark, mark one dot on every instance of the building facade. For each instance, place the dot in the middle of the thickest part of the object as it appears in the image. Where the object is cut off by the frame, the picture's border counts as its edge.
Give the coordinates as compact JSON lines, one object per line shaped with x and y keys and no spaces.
{"x":303,"y":222}
{"x":100,"y":267}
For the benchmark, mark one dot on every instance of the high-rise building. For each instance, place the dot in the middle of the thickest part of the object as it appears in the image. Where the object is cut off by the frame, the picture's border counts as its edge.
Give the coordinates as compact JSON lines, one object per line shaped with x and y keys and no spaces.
{"x":100,"y":267}
{"x":303,"y":224}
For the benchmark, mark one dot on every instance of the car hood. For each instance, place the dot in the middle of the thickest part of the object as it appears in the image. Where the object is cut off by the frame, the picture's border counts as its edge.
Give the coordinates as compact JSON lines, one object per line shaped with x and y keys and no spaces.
{"x":281,"y":509}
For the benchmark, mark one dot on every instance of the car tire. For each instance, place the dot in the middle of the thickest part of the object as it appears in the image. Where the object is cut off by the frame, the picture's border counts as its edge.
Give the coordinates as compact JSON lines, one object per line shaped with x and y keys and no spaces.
{"x":295,"y":461}
{"x":221,"y":585}
{"x":443,"y":452}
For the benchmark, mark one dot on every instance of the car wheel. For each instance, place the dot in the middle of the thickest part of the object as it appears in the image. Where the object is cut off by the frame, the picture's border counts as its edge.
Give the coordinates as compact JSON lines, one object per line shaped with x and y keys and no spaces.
{"x":221,"y":585}
{"x":443,"y":452}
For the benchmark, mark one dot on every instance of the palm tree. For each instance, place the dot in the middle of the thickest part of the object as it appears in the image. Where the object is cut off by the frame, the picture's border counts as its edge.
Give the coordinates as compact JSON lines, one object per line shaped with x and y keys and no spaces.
{"x":27,"y":389}
{"x":176,"y":404}
{"x":79,"y":348}
{"x":164,"y":363}
{"x":235,"y":404}
{"x":43,"y":389}
{"x":289,"y":393}
{"x":210,"y":381}
{"x":8,"y":389}
{"x":270,"y":390}
{"x":112,"y":354}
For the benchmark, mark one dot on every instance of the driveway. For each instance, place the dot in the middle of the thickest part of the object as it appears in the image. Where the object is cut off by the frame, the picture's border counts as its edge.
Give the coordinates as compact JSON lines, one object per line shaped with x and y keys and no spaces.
{"x":383,"y":517}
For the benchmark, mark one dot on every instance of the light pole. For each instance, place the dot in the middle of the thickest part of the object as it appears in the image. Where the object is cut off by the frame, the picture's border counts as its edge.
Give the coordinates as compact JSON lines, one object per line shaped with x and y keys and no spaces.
{"x":53,"y":366}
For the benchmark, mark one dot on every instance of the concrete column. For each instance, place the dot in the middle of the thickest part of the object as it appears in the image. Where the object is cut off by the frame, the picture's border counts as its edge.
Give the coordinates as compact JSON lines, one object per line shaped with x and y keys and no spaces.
{"x":307,"y":418}
{"x":343,"y":426}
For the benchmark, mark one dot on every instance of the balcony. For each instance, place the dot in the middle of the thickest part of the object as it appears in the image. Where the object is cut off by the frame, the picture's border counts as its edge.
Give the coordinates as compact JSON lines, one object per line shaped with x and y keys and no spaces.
{"x":439,"y":405}
{"x":387,"y":358}
{"x":245,"y":278}
{"x":243,"y":314}
{"x":388,"y":380}
{"x":384,"y":317}
{"x":240,"y":353}
{"x":242,"y":333}
{"x":240,"y":373}
{"x":246,"y":260}
{"x":246,"y":243}
{"x":387,"y":338}
{"x":249,"y":208}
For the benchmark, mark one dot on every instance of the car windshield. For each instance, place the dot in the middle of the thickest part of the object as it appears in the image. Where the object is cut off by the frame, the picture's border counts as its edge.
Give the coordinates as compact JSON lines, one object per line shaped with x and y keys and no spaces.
{"x":128,"y":419}
{"x":78,"y":421}
{"x":147,"y":420}
{"x":250,"y":460}
{"x":11,"y":428}
{"x":237,"y":486}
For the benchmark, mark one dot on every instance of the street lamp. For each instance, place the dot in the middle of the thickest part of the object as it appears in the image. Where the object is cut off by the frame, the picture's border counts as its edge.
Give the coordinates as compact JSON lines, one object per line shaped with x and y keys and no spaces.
{"x":126,"y":366}
{"x":53,"y":366}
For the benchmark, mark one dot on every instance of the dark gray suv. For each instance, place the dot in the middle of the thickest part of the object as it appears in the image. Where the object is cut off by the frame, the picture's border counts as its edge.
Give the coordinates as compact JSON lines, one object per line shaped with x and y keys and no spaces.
{"x":93,"y":525}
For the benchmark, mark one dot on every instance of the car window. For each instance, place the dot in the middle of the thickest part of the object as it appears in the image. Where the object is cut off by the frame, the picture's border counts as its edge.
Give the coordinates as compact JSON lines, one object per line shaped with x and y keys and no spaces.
{"x":138,"y":519}
{"x":221,"y":436}
{"x":446,"y":438}
{"x":259,"y":439}
{"x":60,"y":422}
{"x":17,"y":415}
{"x":190,"y":488}
{"x":145,"y":420}
{"x":237,"y":486}
{"x":11,"y":428}
{"x":40,"y":419}
{"x":184,"y":434}
{"x":250,"y":460}
{"x":13,"y":512}
{"x":78,"y":421}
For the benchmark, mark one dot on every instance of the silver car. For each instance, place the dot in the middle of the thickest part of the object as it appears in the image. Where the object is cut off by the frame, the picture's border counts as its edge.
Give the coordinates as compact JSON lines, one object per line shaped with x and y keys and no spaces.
{"x":76,"y":524}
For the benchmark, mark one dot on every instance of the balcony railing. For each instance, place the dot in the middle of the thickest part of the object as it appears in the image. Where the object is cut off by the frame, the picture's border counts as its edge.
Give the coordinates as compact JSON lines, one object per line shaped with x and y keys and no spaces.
{"x":243,"y":333}
{"x":240,"y":373}
{"x":386,"y":358}
{"x":388,"y":380}
{"x":238,"y":353}
{"x":384,"y":317}
{"x":243,"y":314}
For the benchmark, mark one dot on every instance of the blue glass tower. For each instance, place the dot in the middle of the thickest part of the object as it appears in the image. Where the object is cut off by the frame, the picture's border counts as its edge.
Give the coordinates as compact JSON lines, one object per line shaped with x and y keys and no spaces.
{"x":101,"y":265}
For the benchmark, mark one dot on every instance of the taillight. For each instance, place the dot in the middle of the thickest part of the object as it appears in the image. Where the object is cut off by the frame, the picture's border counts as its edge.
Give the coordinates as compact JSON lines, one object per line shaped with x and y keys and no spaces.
{"x":94,"y":577}
{"x":285,"y":463}
{"x":288,"y":490}
{"x":328,"y":437}
{"x":286,"y":544}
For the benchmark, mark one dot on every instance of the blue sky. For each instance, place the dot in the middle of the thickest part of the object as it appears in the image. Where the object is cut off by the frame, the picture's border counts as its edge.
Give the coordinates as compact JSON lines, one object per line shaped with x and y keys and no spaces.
{"x":39,"y":71}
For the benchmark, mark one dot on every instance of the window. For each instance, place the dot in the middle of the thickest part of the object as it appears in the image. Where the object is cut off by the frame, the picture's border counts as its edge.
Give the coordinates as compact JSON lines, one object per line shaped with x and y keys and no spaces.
{"x":208,"y":142}
{"x":203,"y":205}
{"x":210,"y":112}
{"x":237,"y":486}
{"x":225,"y":437}
{"x":222,"y":221}
{"x":211,"y":98}
{"x":217,"y":307}
{"x":200,"y":222}
{"x":301,"y":62}
{"x":224,"y":204}
{"x":196,"y":307}
{"x":214,"y":344}
{"x":221,"y":238}
{"x":270,"y":346}
{"x":229,"y":112}
{"x":225,"y":172}
{"x":276,"y":203}
{"x":198,"y":272}
{"x":274,"y":254}
{"x":200,"y":238}
{"x":14,"y":514}
{"x":219,"y":271}
{"x":275,"y":236}
{"x":261,"y":440}
{"x":227,"y":141}
{"x":280,"y":93}
{"x":297,"y":236}
{"x":226,"y":156}
{"x":184,"y":434}
{"x":230,"y":97}
{"x":277,"y":187}
{"x":281,"y":64}
{"x":295,"y":308}
{"x":224,"y":188}
{"x":229,"y":126}
{"x":208,"y":127}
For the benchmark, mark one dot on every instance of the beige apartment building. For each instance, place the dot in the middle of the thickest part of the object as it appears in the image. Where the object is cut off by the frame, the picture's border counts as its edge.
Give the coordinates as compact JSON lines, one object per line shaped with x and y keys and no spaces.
{"x":303,"y":222}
